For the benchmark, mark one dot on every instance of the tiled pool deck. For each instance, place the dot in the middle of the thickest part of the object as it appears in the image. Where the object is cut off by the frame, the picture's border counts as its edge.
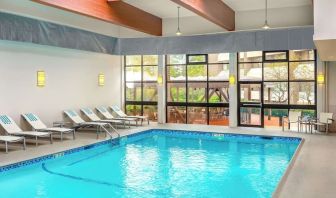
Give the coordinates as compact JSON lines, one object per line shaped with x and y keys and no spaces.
{"x":312,"y":174}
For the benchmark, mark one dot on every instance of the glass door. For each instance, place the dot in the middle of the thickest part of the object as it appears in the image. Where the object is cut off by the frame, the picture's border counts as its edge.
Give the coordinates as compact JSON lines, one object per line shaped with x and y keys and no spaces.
{"x":272,"y":83}
{"x":250,"y":104}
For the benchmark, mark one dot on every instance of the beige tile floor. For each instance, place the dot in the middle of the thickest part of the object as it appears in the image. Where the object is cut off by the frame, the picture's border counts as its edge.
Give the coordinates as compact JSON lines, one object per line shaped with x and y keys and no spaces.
{"x":311,"y":174}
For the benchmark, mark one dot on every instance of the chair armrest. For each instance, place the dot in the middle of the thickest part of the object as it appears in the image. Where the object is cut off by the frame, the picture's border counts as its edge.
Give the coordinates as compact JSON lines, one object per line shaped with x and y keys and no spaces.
{"x":314,"y":119}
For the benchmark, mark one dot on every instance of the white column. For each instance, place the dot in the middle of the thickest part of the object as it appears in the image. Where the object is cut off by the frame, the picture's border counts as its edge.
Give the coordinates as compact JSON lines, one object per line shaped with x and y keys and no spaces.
{"x":122,"y":83}
{"x":321,"y":88}
{"x":233,"y":91}
{"x":161,"y":91}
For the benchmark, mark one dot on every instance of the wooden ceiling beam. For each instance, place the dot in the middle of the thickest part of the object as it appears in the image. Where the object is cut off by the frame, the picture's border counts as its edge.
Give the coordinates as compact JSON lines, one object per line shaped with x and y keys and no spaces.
{"x":112,"y":11}
{"x":215,"y":11}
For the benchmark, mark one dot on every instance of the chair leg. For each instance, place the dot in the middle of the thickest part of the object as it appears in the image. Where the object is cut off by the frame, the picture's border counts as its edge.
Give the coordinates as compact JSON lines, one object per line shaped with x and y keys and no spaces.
{"x":305,"y":128}
{"x":6,"y":143}
{"x":98,"y":128}
{"x":24,"y":143}
{"x":61,"y":136}
{"x":73,"y":135}
{"x":51,"y":138}
{"x":327,"y":129}
{"x":36,"y":141}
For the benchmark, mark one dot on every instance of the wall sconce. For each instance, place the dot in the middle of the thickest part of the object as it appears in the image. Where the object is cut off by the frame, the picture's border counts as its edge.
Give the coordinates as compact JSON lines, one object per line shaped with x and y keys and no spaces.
{"x":232,"y":80}
{"x":41,"y":78}
{"x":101,"y":80}
{"x":320,"y":79}
{"x":160,"y":80}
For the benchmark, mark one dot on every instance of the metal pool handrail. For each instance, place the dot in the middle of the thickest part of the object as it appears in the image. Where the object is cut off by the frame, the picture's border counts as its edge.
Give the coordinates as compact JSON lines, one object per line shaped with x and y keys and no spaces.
{"x":109,"y":133}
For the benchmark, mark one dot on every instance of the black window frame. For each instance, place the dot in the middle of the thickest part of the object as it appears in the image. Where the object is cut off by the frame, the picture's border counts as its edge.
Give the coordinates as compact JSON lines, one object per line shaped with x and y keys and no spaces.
{"x":141,"y":102}
{"x":287,"y":106}
{"x":186,"y":103}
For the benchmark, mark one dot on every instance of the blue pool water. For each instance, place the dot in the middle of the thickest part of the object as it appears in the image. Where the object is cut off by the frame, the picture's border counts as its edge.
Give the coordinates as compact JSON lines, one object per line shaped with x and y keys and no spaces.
{"x":158,"y":163}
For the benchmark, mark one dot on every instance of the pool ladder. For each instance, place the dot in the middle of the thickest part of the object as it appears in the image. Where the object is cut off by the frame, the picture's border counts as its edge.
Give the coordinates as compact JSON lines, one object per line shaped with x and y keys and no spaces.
{"x":110,"y":133}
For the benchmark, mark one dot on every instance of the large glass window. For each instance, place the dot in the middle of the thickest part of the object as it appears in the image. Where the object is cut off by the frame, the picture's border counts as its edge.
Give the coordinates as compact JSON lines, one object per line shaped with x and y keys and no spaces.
{"x":272,"y":83}
{"x":198,"y":89}
{"x":141,"y":73}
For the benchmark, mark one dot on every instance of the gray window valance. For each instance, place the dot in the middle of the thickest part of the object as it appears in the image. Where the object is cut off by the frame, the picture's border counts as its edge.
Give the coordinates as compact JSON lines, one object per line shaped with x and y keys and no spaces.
{"x":23,"y":29}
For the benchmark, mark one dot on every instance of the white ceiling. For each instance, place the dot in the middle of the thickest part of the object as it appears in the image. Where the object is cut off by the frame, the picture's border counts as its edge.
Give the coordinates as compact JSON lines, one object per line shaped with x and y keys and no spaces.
{"x":168,"y":9}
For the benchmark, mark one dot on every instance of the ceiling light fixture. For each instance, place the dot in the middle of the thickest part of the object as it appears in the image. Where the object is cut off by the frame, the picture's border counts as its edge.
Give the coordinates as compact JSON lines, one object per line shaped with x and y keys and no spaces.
{"x":266,"y":26}
{"x":178,"y":32}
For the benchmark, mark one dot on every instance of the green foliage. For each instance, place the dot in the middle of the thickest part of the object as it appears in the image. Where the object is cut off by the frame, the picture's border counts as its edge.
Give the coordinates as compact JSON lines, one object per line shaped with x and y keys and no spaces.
{"x":178,"y":97}
{"x":197,"y":70}
{"x":196,"y":95}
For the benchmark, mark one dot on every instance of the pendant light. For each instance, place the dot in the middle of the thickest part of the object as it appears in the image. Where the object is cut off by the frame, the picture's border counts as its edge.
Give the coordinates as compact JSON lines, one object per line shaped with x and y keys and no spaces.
{"x":178,"y":32}
{"x":266,"y":26}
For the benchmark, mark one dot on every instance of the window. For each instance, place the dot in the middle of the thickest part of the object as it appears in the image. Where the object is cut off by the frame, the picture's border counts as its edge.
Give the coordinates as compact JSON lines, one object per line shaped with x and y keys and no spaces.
{"x":141,"y":73}
{"x":272,"y":83}
{"x":276,"y":56}
{"x":250,"y":71}
{"x":275,"y":92}
{"x":198,"y":89}
{"x":276,"y":71}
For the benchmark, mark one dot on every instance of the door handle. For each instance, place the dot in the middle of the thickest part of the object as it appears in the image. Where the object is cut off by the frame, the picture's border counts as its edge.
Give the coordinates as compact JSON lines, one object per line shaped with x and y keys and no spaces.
{"x":252,"y":105}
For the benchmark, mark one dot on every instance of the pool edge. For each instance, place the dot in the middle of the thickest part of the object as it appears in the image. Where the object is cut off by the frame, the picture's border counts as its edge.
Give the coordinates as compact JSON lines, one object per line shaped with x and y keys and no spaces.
{"x":284,"y":177}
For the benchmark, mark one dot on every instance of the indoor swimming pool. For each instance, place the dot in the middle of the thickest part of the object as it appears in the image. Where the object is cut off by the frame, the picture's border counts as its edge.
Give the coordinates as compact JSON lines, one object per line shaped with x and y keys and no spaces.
{"x":157,"y":163}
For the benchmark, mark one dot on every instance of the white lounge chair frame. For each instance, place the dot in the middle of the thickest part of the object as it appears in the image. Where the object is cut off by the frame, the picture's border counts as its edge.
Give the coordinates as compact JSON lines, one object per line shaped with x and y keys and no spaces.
{"x":80,"y":123}
{"x":37,"y":124}
{"x":11,"y":139}
{"x":94,"y":118}
{"x":12,"y":128}
{"x":293,"y":117}
{"x":107,"y":115}
{"x":121,"y":114}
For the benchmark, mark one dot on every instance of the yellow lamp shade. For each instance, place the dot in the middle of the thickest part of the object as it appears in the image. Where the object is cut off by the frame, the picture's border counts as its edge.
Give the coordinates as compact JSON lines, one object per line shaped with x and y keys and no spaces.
{"x":232,"y":79}
{"x":320,"y":79}
{"x":41,"y":79}
{"x":101,"y":80}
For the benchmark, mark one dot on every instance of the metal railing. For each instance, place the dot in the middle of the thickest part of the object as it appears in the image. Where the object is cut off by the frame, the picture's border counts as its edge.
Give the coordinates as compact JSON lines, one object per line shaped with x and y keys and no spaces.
{"x":110,"y":133}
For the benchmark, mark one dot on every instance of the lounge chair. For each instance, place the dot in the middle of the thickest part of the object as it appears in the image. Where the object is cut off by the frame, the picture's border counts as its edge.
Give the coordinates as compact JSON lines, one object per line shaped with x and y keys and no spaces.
{"x":11,"y":139}
{"x":107,"y":115}
{"x":325,"y":120}
{"x":12,"y":128}
{"x":94,"y":118}
{"x":293,"y":117}
{"x":80,"y":123}
{"x":36,"y":123}
{"x":121,"y":114}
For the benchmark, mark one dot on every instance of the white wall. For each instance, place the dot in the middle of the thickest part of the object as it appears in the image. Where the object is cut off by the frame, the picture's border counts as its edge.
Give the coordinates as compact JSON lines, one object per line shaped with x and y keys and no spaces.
{"x":331,"y":90}
{"x":324,"y":16}
{"x":277,"y":17}
{"x":189,"y":25}
{"x":71,"y":80}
